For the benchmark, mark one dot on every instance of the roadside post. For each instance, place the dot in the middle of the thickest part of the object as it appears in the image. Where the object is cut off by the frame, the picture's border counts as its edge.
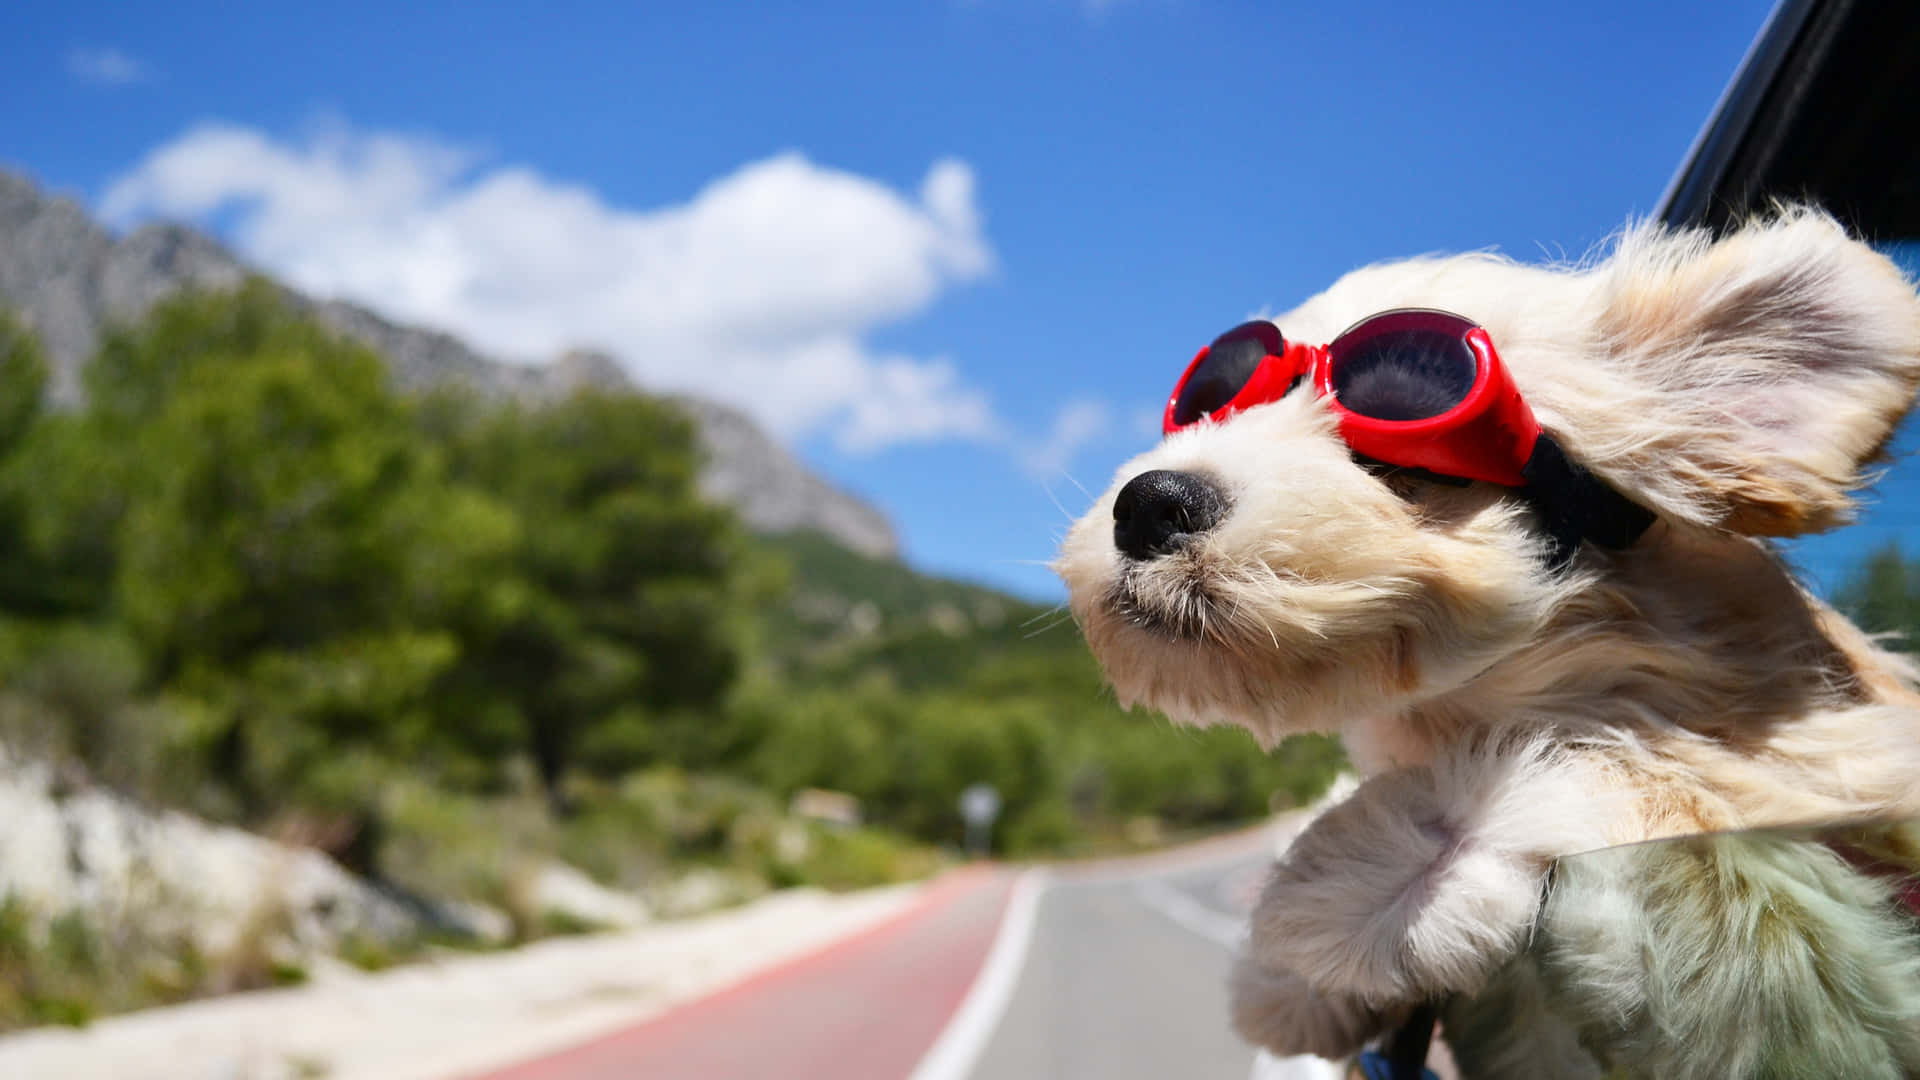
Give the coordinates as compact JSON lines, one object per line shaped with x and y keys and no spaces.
{"x":979,"y":806}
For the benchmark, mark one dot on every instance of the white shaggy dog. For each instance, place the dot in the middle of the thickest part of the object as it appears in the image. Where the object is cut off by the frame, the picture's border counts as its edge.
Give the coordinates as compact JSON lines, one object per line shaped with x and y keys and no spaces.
{"x":1506,"y":708}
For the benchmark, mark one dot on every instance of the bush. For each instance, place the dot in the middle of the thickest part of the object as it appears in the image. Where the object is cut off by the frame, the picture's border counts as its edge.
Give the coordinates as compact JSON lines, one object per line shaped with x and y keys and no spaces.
{"x":1040,"y":829}
{"x":69,"y":969}
{"x":858,"y":858}
{"x":440,"y":843}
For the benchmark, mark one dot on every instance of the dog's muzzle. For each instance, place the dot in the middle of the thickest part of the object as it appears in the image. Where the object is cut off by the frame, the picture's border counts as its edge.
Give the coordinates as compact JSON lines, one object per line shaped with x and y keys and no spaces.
{"x":1160,"y":512}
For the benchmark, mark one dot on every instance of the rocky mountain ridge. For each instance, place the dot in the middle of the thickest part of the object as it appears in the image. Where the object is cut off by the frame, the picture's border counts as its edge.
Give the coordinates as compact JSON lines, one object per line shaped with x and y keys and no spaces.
{"x":69,"y":278}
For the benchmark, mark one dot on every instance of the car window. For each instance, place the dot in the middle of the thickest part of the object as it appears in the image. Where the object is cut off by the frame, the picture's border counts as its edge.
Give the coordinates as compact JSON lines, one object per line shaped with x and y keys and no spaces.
{"x":1822,"y":111}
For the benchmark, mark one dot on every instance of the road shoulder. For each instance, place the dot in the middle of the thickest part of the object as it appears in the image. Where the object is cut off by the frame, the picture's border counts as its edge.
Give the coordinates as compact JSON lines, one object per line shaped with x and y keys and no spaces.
{"x":458,"y":1014}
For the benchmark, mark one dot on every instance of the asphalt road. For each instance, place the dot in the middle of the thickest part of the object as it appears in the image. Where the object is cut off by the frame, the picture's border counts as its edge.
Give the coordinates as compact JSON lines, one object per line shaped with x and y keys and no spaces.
{"x":1125,"y":976}
{"x":1114,"y":970}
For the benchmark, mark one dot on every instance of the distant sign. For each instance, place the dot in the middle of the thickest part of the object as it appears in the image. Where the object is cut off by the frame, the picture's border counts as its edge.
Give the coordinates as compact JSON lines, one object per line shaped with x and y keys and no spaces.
{"x":979,"y":805}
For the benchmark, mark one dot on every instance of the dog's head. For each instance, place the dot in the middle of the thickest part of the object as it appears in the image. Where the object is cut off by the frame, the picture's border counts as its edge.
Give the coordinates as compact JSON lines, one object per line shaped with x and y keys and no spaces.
{"x":1735,"y":388}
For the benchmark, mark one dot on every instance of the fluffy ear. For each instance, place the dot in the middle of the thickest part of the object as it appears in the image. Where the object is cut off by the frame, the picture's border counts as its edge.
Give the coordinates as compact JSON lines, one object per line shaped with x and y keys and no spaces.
{"x":1765,"y":370}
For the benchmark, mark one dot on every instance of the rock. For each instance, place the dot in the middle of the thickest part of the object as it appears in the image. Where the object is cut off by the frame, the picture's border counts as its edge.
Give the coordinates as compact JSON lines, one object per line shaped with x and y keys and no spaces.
{"x":832,"y":807}
{"x":560,"y":891}
{"x":865,"y":619}
{"x":484,"y":924}
{"x":69,"y":278}
{"x":746,"y":469}
{"x":949,"y":620}
{"x":98,"y":853}
{"x":704,"y":889}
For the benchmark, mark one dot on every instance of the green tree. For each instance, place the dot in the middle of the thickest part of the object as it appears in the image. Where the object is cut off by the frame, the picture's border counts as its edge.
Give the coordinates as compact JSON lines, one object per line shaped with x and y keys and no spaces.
{"x":287,"y":547}
{"x":63,"y":495}
{"x":23,"y":380}
{"x":1882,"y":594}
{"x":78,"y":473}
{"x":617,"y":634}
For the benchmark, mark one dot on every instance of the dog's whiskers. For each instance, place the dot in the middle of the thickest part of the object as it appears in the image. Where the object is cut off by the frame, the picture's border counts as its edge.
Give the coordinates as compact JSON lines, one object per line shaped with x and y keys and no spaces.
{"x":1239,"y":615}
{"x":1054,"y":625}
{"x":1049,"y":613}
{"x":1057,"y":504}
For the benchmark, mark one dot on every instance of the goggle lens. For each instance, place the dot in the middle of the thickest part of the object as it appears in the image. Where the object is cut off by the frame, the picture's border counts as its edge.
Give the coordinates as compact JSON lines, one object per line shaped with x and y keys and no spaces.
{"x":1230,"y":361}
{"x":1403,"y":365}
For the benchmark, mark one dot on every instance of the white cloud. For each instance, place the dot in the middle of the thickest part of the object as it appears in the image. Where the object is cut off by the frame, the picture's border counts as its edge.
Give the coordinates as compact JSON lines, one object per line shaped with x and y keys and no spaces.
{"x":910,"y":399}
{"x":760,"y":289}
{"x":105,"y":67}
{"x":1146,"y":423}
{"x":1077,"y":423}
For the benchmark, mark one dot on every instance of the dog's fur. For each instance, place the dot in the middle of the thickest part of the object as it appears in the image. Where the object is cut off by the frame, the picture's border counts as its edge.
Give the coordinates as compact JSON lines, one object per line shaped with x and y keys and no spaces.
{"x":1505,"y":712}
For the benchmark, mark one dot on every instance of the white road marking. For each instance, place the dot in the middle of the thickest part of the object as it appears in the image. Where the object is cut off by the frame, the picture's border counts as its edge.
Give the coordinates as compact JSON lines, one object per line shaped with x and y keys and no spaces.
{"x":1297,"y":1067}
{"x":1218,"y":927}
{"x":960,"y":1043}
{"x":1230,"y":932}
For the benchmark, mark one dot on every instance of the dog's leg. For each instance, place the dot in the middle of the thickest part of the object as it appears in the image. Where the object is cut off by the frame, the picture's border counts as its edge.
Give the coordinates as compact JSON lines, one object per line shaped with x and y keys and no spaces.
{"x":1278,"y":1010}
{"x":1425,"y":879}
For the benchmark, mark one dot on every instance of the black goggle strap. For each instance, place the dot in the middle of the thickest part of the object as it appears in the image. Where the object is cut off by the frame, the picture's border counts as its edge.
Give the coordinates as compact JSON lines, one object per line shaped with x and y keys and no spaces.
{"x":1575,"y":505}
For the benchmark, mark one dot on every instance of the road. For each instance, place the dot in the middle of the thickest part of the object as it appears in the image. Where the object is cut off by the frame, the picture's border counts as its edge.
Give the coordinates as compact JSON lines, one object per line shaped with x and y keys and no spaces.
{"x":1127,"y":969}
{"x":1115,"y":970}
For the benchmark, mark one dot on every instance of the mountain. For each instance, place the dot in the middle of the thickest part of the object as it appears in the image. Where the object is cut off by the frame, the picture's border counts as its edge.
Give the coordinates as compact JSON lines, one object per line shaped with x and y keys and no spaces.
{"x":69,"y":278}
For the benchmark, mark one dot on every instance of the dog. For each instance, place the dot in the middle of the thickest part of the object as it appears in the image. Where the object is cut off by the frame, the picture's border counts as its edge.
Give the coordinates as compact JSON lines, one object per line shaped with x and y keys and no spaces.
{"x":1604,"y":651}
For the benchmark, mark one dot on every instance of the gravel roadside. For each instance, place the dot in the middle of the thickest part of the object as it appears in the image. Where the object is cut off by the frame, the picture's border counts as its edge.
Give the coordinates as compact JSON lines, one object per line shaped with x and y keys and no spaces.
{"x":453,"y":1015}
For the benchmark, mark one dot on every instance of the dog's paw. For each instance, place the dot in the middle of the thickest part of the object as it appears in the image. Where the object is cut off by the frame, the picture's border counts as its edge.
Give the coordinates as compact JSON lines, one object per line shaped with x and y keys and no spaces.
{"x":1418,"y":885}
{"x":1278,"y":1010}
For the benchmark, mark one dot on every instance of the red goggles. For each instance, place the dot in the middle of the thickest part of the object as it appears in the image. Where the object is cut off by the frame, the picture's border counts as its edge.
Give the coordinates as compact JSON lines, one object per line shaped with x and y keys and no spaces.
{"x":1411,"y":387}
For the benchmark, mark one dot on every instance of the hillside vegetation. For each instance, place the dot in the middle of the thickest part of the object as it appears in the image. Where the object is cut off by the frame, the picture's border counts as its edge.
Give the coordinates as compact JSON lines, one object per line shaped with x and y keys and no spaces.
{"x":446,"y":639}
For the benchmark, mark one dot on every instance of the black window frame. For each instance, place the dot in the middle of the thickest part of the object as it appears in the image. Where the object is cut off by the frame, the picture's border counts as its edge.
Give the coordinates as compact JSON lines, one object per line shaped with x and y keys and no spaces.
{"x":1825,"y":108}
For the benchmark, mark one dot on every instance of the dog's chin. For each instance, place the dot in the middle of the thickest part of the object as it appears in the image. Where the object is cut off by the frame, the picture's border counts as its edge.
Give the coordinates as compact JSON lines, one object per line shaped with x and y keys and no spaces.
{"x":1184,"y":613}
{"x":1177,"y":650}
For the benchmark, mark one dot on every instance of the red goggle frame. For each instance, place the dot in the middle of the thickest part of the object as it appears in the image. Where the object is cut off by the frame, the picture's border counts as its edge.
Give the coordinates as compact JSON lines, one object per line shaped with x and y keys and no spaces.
{"x":1411,"y":387}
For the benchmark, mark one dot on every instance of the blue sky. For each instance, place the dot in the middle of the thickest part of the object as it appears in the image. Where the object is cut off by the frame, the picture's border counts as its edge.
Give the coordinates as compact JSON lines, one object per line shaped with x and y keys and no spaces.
{"x":955,"y":252}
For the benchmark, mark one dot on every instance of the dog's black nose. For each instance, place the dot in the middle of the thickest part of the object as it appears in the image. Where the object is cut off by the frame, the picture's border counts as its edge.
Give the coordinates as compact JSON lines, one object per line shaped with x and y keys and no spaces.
{"x":1159,"y":511}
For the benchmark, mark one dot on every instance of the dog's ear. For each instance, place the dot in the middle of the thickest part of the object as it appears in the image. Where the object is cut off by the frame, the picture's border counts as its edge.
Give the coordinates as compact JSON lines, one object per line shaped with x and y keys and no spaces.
{"x":1767,"y":368}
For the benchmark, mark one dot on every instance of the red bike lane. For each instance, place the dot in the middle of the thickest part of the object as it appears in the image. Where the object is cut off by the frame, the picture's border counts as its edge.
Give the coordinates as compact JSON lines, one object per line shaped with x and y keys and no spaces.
{"x":866,"y":1007}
